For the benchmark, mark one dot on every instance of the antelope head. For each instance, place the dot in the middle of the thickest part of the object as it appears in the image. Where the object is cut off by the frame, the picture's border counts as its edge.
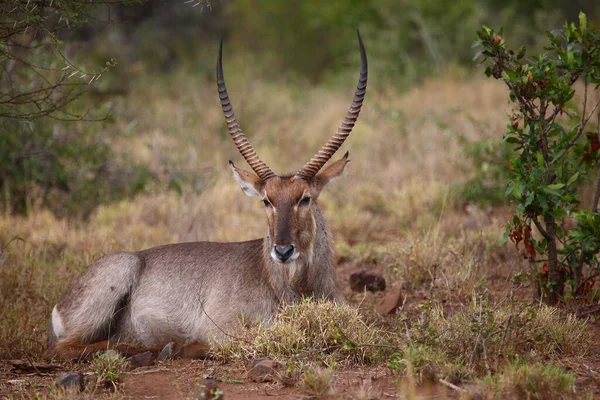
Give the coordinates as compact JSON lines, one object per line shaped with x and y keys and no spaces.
{"x":290,"y":200}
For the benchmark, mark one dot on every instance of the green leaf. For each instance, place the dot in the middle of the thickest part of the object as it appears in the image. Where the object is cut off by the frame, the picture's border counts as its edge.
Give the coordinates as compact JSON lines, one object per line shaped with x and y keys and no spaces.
{"x":510,"y":75}
{"x":517,"y":190}
{"x":512,"y":139}
{"x":550,"y":191}
{"x":570,"y":57}
{"x":540,"y":159}
{"x":504,"y":237}
{"x":477,"y":55}
{"x":509,"y":188}
{"x":573,"y":178}
{"x":555,"y":186}
{"x":542,"y":201}
{"x":529,"y":199}
{"x":576,"y":234}
{"x":568,"y":96}
{"x":582,"y":21}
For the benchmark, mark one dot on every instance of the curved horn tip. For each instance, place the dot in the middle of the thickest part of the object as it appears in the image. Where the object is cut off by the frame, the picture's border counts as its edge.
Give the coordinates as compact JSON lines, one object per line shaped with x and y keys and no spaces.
{"x":363,"y":52}
{"x":220,"y":62}
{"x":346,"y":155}
{"x":359,"y":37}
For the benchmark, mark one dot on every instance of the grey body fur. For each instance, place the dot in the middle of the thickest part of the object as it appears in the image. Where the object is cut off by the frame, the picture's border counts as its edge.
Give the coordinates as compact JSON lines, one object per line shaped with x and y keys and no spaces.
{"x":189,"y":291}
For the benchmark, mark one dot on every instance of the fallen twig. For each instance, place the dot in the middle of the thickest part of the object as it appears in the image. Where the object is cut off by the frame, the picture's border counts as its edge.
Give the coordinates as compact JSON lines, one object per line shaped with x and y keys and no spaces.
{"x":451,"y":385}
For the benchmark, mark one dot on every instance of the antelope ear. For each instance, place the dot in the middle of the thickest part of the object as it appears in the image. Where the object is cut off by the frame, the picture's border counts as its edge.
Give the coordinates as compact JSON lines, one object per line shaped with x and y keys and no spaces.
{"x":251,"y":184}
{"x":328,"y":175}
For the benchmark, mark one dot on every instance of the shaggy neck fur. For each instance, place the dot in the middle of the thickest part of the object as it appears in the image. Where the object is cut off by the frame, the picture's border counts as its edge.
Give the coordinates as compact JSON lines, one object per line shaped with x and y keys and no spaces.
{"x":311,"y":274}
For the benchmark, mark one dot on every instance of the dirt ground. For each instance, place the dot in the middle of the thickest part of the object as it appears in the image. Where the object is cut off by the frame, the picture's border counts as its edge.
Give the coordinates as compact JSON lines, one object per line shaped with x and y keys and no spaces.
{"x":178,"y":380}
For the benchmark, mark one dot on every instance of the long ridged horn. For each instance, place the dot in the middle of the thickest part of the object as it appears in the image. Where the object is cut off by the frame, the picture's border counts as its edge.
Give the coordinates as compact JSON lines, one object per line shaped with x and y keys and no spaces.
{"x":235,"y":131}
{"x":316,"y":163}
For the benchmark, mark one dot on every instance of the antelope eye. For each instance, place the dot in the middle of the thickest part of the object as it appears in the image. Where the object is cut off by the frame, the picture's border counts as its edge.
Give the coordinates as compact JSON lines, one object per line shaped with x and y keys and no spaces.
{"x":267,"y":203}
{"x":304,"y":202}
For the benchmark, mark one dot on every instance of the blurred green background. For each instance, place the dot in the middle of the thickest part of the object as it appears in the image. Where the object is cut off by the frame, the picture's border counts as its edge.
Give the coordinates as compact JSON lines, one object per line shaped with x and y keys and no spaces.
{"x":313,"y":41}
{"x":127,"y":54}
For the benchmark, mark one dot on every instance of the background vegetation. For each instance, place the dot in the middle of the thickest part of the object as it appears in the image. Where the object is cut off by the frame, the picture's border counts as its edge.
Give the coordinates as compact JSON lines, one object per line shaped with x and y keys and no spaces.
{"x":78,"y":60}
{"x":422,"y":202}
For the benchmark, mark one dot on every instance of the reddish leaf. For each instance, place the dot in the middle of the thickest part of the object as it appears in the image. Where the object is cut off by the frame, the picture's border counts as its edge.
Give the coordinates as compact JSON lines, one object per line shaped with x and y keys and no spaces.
{"x":529,"y":246}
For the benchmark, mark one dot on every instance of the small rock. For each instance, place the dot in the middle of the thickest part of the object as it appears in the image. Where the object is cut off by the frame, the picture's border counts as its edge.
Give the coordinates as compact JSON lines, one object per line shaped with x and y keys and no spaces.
{"x":208,"y":389}
{"x":144,"y":359}
{"x":363,"y":279}
{"x":264,"y":370}
{"x":71,"y":380}
{"x":390,"y":302}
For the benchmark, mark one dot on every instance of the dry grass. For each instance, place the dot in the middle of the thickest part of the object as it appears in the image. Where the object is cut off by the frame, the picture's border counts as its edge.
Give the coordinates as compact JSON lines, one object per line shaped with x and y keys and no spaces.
{"x":483,"y":338}
{"x":317,"y":383}
{"x":528,"y":381}
{"x":311,"y":331}
{"x":394,"y":209}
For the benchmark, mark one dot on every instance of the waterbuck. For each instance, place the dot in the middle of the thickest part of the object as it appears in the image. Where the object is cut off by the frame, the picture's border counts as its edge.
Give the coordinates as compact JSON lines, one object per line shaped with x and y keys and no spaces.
{"x":188,"y":293}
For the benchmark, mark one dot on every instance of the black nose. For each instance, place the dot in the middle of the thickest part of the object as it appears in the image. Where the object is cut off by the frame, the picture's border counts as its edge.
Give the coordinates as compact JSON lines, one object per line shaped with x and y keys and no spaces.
{"x":284,"y":252}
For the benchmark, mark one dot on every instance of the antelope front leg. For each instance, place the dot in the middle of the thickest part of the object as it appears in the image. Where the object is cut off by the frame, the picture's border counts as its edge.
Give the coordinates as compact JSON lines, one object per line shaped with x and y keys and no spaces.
{"x":69,"y":351}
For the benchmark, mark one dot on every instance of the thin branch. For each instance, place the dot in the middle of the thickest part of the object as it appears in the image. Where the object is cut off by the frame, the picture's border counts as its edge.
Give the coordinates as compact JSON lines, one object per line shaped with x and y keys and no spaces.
{"x":16,"y":99}
{"x":450,"y":385}
{"x":544,"y":132}
{"x":541,"y":229}
{"x":585,"y":97}
{"x":583,"y":123}
{"x":596,"y":197}
{"x":586,"y":280}
{"x":588,"y":312}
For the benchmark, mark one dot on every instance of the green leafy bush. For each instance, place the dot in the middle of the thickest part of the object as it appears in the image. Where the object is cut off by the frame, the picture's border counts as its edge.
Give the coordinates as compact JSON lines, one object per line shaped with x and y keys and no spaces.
{"x":554,"y":150}
{"x":70,"y":172}
{"x":43,"y":161}
{"x":488,"y":168}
